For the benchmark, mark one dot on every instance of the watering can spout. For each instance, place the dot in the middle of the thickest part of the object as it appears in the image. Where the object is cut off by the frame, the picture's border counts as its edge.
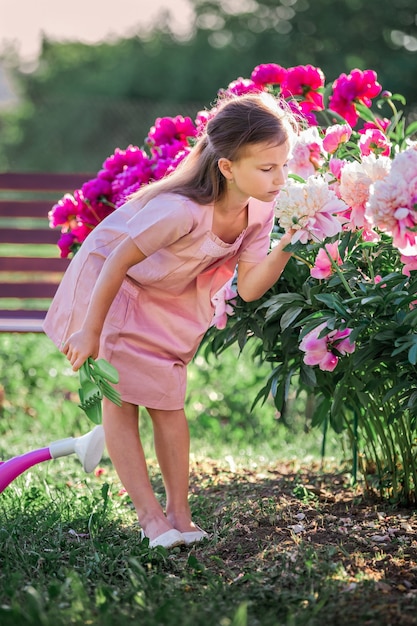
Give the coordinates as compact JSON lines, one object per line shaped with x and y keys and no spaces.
{"x":89,"y":448}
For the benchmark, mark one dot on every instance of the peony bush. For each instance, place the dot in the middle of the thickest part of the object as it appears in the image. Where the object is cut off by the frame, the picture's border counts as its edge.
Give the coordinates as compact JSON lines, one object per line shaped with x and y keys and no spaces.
{"x":340,"y":325}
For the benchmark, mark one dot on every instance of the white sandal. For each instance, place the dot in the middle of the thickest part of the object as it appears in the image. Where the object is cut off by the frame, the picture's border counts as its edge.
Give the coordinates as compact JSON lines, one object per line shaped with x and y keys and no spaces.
{"x":170,"y":539}
{"x":194,"y":536}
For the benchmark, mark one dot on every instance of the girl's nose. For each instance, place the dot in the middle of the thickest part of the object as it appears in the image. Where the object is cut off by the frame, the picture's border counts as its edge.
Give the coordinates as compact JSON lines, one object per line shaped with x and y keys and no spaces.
{"x":280,"y":177}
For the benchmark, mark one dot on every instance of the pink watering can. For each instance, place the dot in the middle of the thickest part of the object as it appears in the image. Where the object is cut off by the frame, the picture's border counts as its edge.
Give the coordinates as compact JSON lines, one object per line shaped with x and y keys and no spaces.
{"x":89,"y":449}
{"x":95,"y":377}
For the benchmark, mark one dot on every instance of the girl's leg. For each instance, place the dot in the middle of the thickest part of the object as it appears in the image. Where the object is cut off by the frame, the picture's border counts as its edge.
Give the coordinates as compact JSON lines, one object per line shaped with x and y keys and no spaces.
{"x":172,"y":446}
{"x":121,"y":427}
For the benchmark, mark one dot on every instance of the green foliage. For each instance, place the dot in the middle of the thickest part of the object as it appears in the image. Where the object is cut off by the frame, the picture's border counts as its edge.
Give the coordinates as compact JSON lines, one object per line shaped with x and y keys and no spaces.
{"x":377,"y":383}
{"x":39,"y":396}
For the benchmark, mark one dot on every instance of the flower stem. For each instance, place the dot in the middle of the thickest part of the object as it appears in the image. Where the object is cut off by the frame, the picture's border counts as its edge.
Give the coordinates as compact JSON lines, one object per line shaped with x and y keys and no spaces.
{"x":339,"y":273}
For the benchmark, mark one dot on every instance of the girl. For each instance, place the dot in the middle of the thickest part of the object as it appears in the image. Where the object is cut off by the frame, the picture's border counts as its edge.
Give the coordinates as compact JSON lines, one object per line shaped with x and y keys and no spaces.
{"x":138,"y":293}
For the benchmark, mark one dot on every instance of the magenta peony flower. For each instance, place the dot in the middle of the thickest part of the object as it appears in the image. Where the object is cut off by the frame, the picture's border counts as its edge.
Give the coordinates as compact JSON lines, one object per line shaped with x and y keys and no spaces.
{"x":81,"y":231}
{"x":325,"y":351}
{"x":115,"y":163}
{"x":358,"y":86}
{"x":65,"y":244}
{"x":305,"y":81}
{"x":268,"y":74}
{"x":381,"y":123}
{"x":201,"y":120}
{"x":169,"y":130}
{"x":301,"y":110}
{"x":323,"y":266}
{"x":65,"y":210}
{"x":241,"y":86}
{"x":96,"y":189}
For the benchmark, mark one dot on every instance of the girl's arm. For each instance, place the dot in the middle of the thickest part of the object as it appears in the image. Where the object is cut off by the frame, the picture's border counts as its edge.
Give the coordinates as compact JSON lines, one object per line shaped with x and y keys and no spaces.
{"x":86,"y":341}
{"x":254,"y":279}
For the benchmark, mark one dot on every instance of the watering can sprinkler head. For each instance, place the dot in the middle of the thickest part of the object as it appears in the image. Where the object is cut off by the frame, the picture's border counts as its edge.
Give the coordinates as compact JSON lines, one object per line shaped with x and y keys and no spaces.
{"x":89,"y":448}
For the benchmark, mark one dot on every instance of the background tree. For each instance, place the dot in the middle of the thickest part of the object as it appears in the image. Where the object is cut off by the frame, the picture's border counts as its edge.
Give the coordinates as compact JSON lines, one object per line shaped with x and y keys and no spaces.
{"x":83,"y":101}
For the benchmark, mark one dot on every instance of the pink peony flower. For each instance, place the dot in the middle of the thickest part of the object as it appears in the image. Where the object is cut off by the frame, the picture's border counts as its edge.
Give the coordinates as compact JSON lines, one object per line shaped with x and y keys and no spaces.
{"x":268,"y":74}
{"x":81,"y":231}
{"x":65,"y":244}
{"x":305,"y":81}
{"x":336,"y":166}
{"x":306,"y":157}
{"x":358,"y":86}
{"x":410,"y":264}
{"x":302,"y":111}
{"x":323,"y":266}
{"x":381,"y":123}
{"x":354,"y":190}
{"x":120,"y":159}
{"x":241,"y":86}
{"x":325,"y":351}
{"x":223,"y":302}
{"x":335,"y":136}
{"x":65,"y":210}
{"x":374,"y":141}
{"x":96,"y":189}
{"x":169,"y":130}
{"x":392,"y":202}
{"x":310,"y":209}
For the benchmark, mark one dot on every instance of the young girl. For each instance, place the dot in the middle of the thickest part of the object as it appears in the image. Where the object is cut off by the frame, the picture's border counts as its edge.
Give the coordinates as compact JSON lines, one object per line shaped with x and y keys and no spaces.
{"x":138,"y":293}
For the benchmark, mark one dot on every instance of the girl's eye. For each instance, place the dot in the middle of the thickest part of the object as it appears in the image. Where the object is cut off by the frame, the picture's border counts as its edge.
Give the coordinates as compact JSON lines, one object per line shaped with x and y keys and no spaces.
{"x":268,"y":169}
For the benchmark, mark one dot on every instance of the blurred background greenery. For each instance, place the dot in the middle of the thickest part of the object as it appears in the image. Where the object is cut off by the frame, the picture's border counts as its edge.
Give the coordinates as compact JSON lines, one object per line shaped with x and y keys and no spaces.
{"x":82,"y":101}
{"x":39,"y":404}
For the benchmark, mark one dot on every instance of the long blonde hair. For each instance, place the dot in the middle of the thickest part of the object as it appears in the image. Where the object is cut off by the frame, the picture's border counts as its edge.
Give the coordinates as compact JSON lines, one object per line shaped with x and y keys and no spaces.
{"x":235,"y":123}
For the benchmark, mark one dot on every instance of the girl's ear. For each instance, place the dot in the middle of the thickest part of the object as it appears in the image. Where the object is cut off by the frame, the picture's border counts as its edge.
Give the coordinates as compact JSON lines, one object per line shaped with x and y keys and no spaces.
{"x":225,"y":166}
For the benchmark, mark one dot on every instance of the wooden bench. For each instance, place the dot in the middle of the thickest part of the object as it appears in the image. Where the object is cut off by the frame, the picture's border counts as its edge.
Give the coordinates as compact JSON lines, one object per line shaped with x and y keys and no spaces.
{"x":30,"y":265}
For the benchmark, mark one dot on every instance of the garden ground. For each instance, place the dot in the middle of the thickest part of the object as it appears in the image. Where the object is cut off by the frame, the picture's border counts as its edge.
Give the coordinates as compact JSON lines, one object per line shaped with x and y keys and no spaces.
{"x":290,"y":545}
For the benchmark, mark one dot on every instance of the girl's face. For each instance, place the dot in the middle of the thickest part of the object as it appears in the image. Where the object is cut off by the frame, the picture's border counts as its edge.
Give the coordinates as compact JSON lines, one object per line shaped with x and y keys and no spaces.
{"x":260,"y":172}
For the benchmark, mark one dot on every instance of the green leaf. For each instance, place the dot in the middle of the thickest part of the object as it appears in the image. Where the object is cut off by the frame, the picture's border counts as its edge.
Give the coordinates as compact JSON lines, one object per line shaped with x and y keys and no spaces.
{"x":334,"y":302}
{"x":411,"y":129}
{"x":412,"y":354}
{"x":321,"y":412}
{"x":290,"y":316}
{"x":308,"y":375}
{"x":372,"y":300}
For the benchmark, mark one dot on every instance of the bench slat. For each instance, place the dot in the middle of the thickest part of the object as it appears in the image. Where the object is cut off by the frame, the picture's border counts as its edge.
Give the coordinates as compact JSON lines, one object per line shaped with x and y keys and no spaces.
{"x":33,"y":264}
{"x":20,"y":325}
{"x":43,"y":181}
{"x":29,"y":235}
{"x":28,"y":290}
{"x":26,"y":208}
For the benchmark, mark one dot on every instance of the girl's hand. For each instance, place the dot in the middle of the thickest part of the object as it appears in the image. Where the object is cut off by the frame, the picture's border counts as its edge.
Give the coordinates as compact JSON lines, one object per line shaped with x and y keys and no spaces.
{"x":287,"y":236}
{"x":79,"y":346}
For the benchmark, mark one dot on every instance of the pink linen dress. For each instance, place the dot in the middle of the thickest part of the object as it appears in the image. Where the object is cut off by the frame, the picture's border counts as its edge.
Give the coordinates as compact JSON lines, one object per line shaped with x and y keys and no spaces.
{"x":163,"y":308}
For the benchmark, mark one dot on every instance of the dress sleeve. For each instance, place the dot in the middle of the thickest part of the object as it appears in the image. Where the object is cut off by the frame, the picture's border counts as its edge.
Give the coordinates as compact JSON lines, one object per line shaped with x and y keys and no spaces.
{"x":160,"y":222}
{"x":258,"y":241}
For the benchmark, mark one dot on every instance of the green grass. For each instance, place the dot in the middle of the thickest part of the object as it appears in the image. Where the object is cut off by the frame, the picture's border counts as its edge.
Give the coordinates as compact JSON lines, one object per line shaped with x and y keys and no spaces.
{"x":69,"y":542}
